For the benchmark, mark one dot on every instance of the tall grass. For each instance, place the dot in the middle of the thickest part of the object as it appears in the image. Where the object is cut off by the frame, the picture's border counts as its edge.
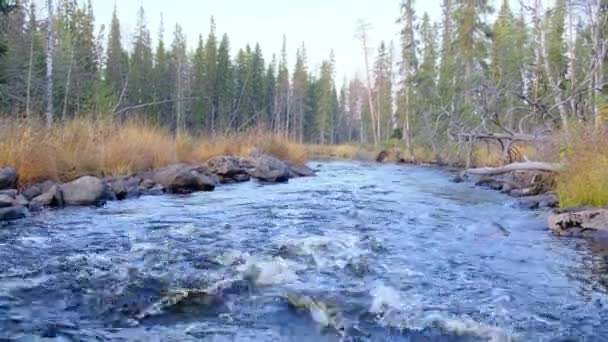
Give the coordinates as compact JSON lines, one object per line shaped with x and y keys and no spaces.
{"x":584,"y":181}
{"x":103,"y":147}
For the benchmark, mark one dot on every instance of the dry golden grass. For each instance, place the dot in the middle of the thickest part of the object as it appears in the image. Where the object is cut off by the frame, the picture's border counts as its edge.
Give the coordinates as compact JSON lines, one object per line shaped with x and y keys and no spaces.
{"x":584,"y":182}
{"x":104,"y":148}
{"x":349,"y":152}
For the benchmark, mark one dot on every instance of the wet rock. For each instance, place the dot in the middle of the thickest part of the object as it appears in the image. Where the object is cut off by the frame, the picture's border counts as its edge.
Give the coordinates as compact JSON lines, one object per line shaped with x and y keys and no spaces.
{"x":228,"y":169}
{"x":540,"y":201}
{"x":13,"y":213}
{"x":87,"y":191}
{"x":390,"y":156}
{"x":269,"y":169}
{"x":459,"y":178}
{"x":8,"y":178}
{"x":37,"y":189}
{"x":51,"y":198}
{"x":299,"y":170}
{"x":579,"y":222}
{"x":490,"y":183}
{"x":10,"y":192}
{"x":124,"y":187}
{"x":21,"y":200}
{"x":147,"y":184}
{"x":6,"y":201}
{"x":182,"y":178}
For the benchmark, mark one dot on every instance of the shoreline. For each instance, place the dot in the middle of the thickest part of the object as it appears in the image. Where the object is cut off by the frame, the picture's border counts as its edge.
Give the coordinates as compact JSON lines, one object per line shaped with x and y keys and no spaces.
{"x":18,"y":203}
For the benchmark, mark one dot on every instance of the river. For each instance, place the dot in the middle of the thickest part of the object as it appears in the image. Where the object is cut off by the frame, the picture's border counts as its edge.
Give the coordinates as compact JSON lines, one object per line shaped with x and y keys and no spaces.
{"x":362,"y":252}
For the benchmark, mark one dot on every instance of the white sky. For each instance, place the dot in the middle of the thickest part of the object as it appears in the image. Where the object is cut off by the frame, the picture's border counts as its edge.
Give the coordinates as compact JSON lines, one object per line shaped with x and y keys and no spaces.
{"x":322,"y":24}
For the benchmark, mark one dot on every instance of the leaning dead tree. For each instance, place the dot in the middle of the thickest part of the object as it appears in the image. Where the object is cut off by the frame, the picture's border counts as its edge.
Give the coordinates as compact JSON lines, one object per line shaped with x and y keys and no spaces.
{"x":526,"y":166}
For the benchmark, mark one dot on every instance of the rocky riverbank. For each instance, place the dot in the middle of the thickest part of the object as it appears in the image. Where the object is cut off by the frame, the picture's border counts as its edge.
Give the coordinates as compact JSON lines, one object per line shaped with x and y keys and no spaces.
{"x":17,"y":202}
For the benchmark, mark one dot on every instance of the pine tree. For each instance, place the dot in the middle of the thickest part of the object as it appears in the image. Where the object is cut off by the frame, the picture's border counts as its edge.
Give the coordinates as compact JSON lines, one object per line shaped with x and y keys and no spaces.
{"x":199,"y":83}
{"x":270,"y":83}
{"x":326,"y":101}
{"x":141,"y":64}
{"x":224,"y":83}
{"x":163,"y":79}
{"x":179,"y":63}
{"x":282,"y":108}
{"x":299,"y":93}
{"x":117,"y":62}
{"x":257,"y":72}
{"x":409,"y":66}
{"x":383,"y":88}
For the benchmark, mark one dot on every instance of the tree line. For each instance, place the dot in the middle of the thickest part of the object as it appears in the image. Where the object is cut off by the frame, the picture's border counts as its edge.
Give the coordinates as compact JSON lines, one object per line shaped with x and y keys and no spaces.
{"x":480,"y":71}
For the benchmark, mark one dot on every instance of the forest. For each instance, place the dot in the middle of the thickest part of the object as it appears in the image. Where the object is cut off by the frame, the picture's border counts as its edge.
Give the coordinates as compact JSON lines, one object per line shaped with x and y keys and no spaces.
{"x":499,"y":73}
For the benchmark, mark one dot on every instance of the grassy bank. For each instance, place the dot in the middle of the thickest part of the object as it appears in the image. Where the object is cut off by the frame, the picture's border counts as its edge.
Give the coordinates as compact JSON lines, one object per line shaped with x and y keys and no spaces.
{"x":584,"y":181}
{"x":105,"y":148}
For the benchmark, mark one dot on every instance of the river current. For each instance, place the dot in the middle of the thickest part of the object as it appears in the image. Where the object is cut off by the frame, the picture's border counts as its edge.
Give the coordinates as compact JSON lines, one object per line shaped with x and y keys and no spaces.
{"x":361,"y":252}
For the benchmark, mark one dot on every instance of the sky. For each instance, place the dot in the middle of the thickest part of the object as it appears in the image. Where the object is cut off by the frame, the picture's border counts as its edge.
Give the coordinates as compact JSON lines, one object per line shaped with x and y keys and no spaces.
{"x":322,"y":24}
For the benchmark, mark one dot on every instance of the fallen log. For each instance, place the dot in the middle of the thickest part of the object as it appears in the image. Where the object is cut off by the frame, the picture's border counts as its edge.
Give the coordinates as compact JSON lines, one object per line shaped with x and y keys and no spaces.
{"x":524,"y":166}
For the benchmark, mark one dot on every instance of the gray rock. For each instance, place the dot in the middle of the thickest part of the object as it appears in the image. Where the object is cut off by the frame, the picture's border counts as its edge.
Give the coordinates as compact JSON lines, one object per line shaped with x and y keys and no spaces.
{"x":269,"y":169}
{"x":147,"y":183}
{"x":6,"y":201}
{"x":124,"y":187}
{"x":21,"y":200}
{"x":8,"y":178}
{"x":182,"y":178}
{"x":49,"y":199}
{"x":297,"y":170}
{"x":13,"y":213}
{"x":37,"y":189}
{"x":579,"y":221}
{"x":10,"y":192}
{"x":87,"y":191}
{"x":540,"y":201}
{"x":228,"y":169}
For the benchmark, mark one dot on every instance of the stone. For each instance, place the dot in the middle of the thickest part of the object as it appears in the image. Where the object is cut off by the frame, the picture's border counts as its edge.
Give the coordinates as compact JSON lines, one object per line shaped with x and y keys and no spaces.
{"x":87,"y":191}
{"x":540,"y":201}
{"x":299,"y":170}
{"x":13,"y":213}
{"x":228,"y":169}
{"x":8,"y":178}
{"x":37,"y":189}
{"x":6,"y":201}
{"x":182,"y":178}
{"x":579,"y":222}
{"x":124,"y":187}
{"x":10,"y":192}
{"x":49,"y":199}
{"x":269,"y":169}
{"x":21,"y":200}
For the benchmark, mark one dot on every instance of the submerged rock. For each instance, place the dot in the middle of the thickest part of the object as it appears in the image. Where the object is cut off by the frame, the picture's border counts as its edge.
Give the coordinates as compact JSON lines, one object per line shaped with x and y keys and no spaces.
{"x":540,"y":201}
{"x":87,"y":191}
{"x":15,"y":212}
{"x":8,"y":178}
{"x":579,"y":222}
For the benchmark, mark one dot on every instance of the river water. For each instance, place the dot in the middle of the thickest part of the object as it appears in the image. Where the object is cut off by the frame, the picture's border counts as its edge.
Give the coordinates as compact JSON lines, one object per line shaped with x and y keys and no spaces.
{"x":362,"y":252}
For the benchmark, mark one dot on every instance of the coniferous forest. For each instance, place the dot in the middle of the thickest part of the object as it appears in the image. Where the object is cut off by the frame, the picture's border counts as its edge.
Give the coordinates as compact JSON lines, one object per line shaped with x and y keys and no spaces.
{"x":486,"y":69}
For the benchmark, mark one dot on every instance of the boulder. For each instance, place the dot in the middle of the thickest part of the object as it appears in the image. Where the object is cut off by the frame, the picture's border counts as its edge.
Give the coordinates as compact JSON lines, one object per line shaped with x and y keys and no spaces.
{"x":8,"y":178}
{"x":540,"y":201}
{"x":21,"y":200}
{"x":269,"y":169}
{"x":13,"y":213}
{"x":390,"y":156}
{"x":87,"y":191}
{"x":299,"y":170}
{"x":579,"y":221}
{"x":50,"y":198}
{"x":37,"y":189}
{"x":124,"y":187}
{"x":182,"y":178}
{"x":10,"y":192}
{"x":228,"y":169}
{"x":6,"y":201}
{"x":490,"y":182}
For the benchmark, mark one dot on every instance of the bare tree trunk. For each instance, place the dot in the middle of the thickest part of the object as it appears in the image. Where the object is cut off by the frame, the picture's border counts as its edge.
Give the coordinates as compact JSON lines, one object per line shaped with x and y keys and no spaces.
{"x":28,"y":95}
{"x":571,"y":56}
{"x":407,"y":132}
{"x":555,"y":90}
{"x":363,"y":28}
{"x":49,"y":65}
{"x":68,"y":81}
{"x":178,"y":105}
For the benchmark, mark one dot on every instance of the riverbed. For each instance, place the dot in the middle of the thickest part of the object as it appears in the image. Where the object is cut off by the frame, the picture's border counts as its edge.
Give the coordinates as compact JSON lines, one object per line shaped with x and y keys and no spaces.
{"x":374,"y":253}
